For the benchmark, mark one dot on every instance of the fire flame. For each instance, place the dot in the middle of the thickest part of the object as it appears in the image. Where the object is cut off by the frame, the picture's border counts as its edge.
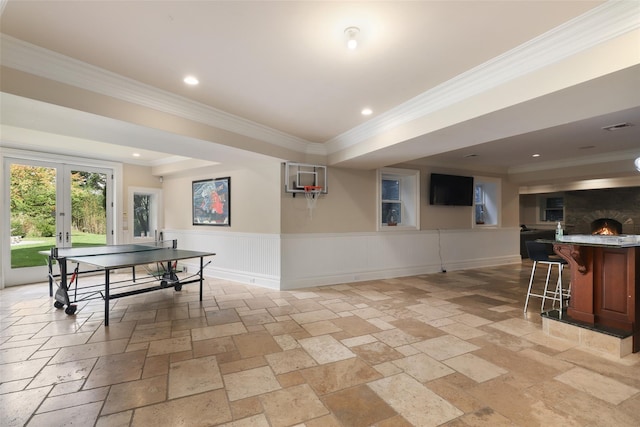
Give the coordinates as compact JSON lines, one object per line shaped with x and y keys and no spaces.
{"x":605,"y":231}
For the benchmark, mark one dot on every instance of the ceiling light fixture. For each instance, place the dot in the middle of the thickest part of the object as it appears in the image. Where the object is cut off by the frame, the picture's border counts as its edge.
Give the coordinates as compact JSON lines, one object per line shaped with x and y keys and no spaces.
{"x":191,"y":81}
{"x":136,"y":154}
{"x":351,"y":34}
{"x":367,"y":111}
{"x":536,"y":155}
{"x":637,"y":163}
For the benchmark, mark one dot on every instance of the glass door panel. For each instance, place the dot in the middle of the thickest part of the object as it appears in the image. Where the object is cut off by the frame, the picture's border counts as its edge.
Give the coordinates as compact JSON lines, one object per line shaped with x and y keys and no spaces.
{"x":32,"y":204}
{"x":53,"y":204}
{"x":88,"y":225}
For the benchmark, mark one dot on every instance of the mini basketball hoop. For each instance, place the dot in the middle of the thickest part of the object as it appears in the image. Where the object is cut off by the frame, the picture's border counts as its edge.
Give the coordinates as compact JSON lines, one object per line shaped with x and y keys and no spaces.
{"x":311,"y":193}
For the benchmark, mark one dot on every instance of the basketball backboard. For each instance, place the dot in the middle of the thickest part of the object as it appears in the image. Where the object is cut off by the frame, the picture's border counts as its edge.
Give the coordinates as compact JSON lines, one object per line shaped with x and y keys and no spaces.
{"x":297,"y":176}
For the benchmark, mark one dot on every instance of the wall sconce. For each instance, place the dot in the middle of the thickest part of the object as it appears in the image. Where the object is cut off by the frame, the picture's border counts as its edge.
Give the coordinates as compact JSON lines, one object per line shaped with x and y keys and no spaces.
{"x":352,"y":33}
{"x":637,"y":163}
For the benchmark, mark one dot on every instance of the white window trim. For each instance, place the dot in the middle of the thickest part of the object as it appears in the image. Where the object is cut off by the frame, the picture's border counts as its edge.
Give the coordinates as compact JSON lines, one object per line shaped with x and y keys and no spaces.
{"x":411,"y":201}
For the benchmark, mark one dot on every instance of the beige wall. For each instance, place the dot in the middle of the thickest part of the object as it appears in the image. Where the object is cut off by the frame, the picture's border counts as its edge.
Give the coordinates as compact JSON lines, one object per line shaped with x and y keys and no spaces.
{"x":255,"y":198}
{"x":259,"y":203}
{"x":139,"y":176}
{"x":510,"y":204}
{"x":349,"y":205}
{"x":461,"y":217}
{"x":529,"y":210}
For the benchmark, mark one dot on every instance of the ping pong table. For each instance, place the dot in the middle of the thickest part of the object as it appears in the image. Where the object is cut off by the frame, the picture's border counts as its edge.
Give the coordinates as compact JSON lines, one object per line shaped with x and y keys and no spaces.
{"x":164,"y":254}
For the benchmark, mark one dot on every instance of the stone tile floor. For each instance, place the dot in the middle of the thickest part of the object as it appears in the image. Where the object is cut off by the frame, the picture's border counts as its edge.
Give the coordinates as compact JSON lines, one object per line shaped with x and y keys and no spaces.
{"x":448,"y":349}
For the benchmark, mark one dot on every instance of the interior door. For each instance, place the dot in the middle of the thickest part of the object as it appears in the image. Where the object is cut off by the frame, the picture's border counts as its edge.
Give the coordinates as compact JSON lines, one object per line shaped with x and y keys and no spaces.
{"x":52,"y":204}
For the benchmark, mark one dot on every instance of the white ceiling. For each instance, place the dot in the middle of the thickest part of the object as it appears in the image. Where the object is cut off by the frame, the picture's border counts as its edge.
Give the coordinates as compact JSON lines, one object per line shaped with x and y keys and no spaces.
{"x":283,"y":65}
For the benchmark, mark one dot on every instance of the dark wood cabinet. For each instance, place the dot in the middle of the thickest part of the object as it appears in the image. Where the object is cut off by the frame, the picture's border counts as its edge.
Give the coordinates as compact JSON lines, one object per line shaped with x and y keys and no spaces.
{"x":615,"y":286}
{"x":604,"y":286}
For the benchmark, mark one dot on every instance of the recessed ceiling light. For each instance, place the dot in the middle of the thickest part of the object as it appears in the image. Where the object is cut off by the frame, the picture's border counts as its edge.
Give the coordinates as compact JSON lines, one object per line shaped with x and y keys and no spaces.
{"x":136,"y":154}
{"x":536,"y":155}
{"x":191,"y":81}
{"x":367,"y":111}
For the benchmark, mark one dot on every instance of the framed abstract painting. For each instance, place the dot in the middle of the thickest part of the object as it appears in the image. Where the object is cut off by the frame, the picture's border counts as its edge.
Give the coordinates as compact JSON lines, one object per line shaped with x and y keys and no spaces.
{"x":211,"y":202}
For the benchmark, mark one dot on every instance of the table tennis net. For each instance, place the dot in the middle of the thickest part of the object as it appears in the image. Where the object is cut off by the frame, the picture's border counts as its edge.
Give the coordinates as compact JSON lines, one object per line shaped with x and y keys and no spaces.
{"x":113,"y":249}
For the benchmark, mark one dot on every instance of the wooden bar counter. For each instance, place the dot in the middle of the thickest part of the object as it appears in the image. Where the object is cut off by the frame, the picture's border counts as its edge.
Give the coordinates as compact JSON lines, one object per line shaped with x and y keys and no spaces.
{"x":605,"y":282}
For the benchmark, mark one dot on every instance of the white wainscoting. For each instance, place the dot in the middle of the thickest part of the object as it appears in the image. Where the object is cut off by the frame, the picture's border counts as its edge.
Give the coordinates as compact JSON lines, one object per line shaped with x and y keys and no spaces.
{"x":292,"y":261}
{"x":241,"y":257}
{"x":313,"y":260}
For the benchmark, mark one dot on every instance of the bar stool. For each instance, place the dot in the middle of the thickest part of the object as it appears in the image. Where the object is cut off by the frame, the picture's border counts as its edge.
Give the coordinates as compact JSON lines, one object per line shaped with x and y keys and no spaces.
{"x":538,"y":253}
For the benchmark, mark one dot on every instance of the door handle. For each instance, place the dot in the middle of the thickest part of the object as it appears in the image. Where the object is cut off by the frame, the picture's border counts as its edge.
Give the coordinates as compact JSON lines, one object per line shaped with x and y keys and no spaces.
{"x":60,"y":237}
{"x":67,"y":236}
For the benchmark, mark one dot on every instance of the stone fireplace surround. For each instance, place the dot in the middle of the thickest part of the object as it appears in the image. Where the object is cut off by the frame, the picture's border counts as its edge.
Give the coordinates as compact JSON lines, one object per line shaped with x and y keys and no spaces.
{"x":583,"y":207}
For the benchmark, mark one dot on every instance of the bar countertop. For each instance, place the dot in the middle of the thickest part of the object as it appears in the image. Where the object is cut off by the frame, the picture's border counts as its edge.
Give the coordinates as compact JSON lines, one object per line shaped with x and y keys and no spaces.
{"x":620,"y":241}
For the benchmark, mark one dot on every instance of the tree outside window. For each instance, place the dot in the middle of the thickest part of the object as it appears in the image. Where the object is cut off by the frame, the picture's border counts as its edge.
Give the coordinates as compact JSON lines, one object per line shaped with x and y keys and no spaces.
{"x":33,"y":201}
{"x":145,"y":216}
{"x":141,"y":207}
{"x":89,"y":202}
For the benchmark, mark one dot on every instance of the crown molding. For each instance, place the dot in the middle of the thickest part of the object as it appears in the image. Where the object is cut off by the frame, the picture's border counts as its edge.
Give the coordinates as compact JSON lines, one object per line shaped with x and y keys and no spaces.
{"x":603,"y":23}
{"x":31,"y":59}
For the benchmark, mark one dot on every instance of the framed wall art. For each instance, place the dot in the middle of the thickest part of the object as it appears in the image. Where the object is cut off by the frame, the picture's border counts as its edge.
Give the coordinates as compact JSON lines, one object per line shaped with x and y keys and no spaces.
{"x":211,"y":202}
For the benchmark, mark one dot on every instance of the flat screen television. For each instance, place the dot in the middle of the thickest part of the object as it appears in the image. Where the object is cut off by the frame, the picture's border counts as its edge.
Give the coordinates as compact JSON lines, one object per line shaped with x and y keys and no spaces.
{"x":451,"y":190}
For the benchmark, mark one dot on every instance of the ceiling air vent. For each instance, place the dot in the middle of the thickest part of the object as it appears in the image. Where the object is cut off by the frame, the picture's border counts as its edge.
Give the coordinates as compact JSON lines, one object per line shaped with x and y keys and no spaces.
{"x":618,"y":126}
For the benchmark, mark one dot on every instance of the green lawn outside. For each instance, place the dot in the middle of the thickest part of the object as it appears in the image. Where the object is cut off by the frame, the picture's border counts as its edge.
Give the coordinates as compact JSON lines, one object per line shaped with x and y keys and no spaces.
{"x":26,"y":253}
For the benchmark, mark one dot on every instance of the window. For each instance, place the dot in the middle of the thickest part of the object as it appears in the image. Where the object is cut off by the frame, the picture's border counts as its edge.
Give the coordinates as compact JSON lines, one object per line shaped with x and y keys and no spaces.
{"x":141,"y":214}
{"x":391,"y":201}
{"x":551,"y":207}
{"x":487,"y":201}
{"x":398,"y":197}
{"x":480,"y":205}
{"x":145,"y":212}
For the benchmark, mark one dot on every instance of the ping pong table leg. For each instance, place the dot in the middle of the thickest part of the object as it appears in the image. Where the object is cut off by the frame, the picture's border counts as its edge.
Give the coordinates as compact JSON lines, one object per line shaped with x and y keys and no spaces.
{"x":62,"y":293}
{"x":106,"y":297}
{"x":50,"y":276}
{"x":201,"y":268}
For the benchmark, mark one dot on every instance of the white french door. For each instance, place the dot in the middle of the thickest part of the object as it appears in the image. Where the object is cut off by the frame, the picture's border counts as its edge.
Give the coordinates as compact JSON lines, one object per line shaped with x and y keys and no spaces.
{"x":82,"y":206}
{"x":52,"y":204}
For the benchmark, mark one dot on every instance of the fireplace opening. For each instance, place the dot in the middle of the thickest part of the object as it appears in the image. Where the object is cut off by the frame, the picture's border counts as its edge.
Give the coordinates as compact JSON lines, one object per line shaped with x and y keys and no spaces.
{"x":606,"y":227}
